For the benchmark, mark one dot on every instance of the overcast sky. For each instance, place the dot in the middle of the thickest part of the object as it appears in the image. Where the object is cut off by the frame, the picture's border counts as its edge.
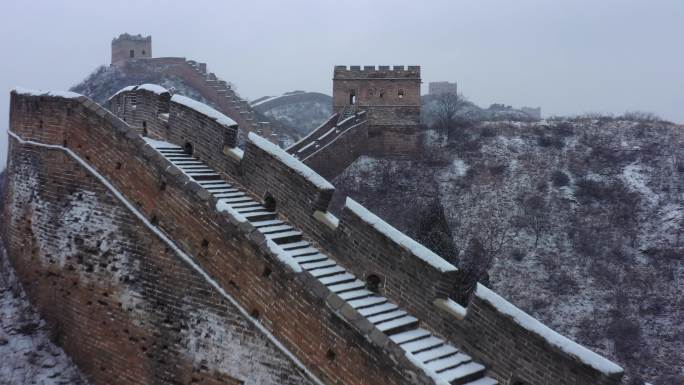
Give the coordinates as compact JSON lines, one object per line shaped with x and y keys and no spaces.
{"x":567,"y":56}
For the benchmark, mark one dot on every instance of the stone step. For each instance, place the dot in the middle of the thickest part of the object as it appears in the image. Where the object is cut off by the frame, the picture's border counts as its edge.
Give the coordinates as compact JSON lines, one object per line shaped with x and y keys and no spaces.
{"x":337,"y":279}
{"x":379,"y":309}
{"x":266,"y":223}
{"x":217,"y":184}
{"x":303,"y":252}
{"x":449,"y":362}
{"x":387,"y":316}
{"x":249,"y":204}
{"x":355,"y":294}
{"x":398,"y":325}
{"x":294,"y":245}
{"x":230,"y":201}
{"x":230,"y":194}
{"x":262,"y":216}
{"x":188,"y":162}
{"x":436,"y":353}
{"x":275,"y":229}
{"x":249,"y":209}
{"x":409,"y":336}
{"x":367,"y":302}
{"x":318,"y":265}
{"x":279,"y":238}
{"x":206,"y":177}
{"x":220,"y":189}
{"x":327,"y":271}
{"x":463,"y":374}
{"x":311,"y":258}
{"x":423,"y":344}
{"x":346,"y":286}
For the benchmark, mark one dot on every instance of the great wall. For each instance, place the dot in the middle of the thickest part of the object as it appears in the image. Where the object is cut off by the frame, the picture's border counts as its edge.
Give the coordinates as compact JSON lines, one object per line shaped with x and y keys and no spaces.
{"x":159,"y":252}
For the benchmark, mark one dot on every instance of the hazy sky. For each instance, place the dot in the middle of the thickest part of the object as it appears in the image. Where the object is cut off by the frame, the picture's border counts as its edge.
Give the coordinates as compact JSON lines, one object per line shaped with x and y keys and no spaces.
{"x":567,"y":56}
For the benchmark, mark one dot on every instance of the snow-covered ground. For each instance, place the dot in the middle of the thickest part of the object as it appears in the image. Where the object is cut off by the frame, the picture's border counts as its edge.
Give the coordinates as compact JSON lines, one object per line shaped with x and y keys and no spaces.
{"x":582,"y":223}
{"x":27,"y":356}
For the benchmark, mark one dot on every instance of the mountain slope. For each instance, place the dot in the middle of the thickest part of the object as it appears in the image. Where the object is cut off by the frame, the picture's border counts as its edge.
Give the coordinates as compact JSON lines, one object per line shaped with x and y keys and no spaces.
{"x":105,"y":81}
{"x":578,"y":222}
{"x":301,"y":111}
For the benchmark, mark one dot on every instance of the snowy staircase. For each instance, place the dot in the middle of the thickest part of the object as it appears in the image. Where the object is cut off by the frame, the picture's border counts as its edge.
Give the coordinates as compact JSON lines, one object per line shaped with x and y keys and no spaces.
{"x":346,"y":112}
{"x":227,"y":97}
{"x":434,"y":355}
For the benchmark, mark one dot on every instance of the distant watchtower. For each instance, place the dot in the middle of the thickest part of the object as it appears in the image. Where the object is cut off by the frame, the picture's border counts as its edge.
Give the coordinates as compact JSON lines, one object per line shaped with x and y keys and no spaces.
{"x":127,"y":47}
{"x":391,"y":98}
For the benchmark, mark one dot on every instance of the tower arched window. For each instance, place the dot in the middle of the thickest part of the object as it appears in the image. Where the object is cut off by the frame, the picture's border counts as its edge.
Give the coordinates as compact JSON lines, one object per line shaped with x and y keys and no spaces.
{"x":131,"y":53}
{"x":352,"y":97}
{"x":400,"y":94}
{"x":143,"y":52}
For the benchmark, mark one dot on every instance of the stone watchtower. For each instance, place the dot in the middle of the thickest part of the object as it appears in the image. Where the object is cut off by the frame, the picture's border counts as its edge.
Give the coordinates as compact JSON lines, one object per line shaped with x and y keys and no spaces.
{"x":391,"y":98}
{"x":126,"y":47}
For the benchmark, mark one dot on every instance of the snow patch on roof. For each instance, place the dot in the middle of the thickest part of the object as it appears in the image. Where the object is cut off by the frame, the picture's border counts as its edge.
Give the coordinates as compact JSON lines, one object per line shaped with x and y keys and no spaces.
{"x":398,"y":237}
{"x":290,"y":161}
{"x":565,"y":344}
{"x":58,"y":94}
{"x":203,"y":109}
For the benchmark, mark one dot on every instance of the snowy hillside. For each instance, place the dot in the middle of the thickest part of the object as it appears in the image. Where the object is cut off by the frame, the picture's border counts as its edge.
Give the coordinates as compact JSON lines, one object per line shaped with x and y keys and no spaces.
{"x":27,"y":354}
{"x":299,"y":110}
{"x":578,"y":222}
{"x":105,"y":81}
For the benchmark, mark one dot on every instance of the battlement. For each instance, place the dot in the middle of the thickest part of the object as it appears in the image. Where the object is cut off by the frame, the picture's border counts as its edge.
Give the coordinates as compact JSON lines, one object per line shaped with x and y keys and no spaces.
{"x":129,"y":37}
{"x":211,"y":199}
{"x":379,"y":72}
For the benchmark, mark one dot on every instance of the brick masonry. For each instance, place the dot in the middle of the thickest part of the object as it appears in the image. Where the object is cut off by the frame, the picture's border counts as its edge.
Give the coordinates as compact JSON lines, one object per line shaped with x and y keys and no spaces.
{"x":44,"y":185}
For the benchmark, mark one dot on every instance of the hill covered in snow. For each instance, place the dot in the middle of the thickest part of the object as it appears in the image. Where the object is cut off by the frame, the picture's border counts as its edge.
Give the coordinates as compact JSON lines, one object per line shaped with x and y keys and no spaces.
{"x":579,"y":222}
{"x":301,"y":111}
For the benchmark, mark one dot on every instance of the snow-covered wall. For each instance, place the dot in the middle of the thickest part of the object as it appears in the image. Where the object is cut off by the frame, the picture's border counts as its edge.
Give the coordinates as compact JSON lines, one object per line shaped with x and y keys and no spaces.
{"x":194,"y":261}
{"x":228,"y":255}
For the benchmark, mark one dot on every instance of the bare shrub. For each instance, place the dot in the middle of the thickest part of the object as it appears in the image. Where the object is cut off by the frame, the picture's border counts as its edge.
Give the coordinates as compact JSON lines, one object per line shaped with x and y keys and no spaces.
{"x":641,"y":116}
{"x":559,"y":178}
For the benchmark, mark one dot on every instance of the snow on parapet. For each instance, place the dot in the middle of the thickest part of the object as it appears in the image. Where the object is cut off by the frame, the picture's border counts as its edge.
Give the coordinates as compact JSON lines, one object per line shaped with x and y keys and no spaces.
{"x":157,"y":89}
{"x":58,"y":94}
{"x":398,"y":237}
{"x":563,"y":343}
{"x":125,"y":89}
{"x":291,"y":162}
{"x":204,"y":110}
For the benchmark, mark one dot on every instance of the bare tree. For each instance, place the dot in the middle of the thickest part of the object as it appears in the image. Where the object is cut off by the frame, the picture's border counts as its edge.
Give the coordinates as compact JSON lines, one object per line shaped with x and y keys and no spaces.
{"x":447,"y":107}
{"x":535,"y":215}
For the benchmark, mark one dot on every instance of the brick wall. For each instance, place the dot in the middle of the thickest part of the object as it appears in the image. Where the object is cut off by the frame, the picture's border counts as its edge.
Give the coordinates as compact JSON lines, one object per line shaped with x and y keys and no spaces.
{"x":335,"y":157}
{"x":121,"y":303}
{"x":408,"y":280}
{"x":512,"y":351}
{"x":284,"y":302}
{"x":140,"y":108}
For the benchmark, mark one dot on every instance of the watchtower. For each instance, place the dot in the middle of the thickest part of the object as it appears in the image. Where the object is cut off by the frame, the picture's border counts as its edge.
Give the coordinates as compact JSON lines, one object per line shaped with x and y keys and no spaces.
{"x":390,"y":95}
{"x":127,"y":47}
{"x":391,"y":98}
